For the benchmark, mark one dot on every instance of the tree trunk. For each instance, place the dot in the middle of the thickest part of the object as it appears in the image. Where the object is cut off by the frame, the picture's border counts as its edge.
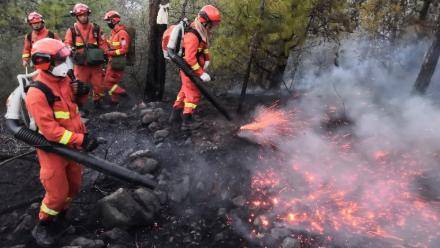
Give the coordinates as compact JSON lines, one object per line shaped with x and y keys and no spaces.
{"x":155,"y":82}
{"x":424,"y":12}
{"x":252,"y":50}
{"x":429,"y":64}
{"x":183,"y":14}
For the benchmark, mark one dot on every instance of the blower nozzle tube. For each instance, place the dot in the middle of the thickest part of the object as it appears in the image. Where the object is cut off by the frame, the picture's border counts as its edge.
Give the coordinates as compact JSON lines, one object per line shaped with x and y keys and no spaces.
{"x":37,"y":140}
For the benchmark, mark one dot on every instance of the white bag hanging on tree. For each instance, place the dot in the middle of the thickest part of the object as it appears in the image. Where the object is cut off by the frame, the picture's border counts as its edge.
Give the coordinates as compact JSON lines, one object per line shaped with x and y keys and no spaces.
{"x":162,"y":15}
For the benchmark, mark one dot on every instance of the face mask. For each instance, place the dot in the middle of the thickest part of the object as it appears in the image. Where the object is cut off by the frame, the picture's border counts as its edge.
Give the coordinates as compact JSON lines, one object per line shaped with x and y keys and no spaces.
{"x":111,"y":25}
{"x":62,"y":69}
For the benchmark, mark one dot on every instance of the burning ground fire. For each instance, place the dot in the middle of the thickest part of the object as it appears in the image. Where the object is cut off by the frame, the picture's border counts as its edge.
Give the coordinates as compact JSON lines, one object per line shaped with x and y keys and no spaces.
{"x":344,"y":193}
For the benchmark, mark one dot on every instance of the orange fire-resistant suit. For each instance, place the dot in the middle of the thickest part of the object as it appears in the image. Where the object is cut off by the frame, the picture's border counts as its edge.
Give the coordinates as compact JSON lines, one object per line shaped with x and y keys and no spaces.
{"x":195,"y":54}
{"x":35,"y":36}
{"x":87,"y":73}
{"x":60,"y":123}
{"x":118,"y":45}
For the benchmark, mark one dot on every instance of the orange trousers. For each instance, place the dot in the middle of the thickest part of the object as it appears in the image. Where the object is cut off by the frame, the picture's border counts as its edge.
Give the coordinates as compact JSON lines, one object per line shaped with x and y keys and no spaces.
{"x":92,"y":75}
{"x":188,"y":96}
{"x":111,"y":83}
{"x":61,"y":179}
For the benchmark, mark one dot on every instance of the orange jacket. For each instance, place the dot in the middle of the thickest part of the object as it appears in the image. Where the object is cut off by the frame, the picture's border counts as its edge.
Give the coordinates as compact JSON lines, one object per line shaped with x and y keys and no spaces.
{"x":119,"y":41}
{"x":86,"y":30}
{"x":35,"y":36}
{"x":60,"y":123}
{"x":195,"y":52}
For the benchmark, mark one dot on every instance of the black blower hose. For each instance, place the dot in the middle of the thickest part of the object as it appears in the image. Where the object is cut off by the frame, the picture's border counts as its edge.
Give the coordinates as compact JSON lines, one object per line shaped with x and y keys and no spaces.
{"x":37,"y":140}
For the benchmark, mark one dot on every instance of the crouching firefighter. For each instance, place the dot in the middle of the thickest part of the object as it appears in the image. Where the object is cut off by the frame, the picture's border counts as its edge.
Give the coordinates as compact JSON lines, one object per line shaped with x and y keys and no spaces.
{"x":118,"y":47}
{"x":194,"y":44}
{"x":50,"y":102}
{"x":39,"y":31}
{"x":89,"y":46}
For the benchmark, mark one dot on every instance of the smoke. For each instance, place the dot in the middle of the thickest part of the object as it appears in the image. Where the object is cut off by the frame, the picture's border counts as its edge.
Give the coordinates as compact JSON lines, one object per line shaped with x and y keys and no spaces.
{"x":360,"y":144}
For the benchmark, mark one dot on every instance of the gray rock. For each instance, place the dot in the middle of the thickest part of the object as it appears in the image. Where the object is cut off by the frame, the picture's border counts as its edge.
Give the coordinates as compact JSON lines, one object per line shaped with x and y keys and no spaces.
{"x":120,"y":209}
{"x":239,"y":201}
{"x":290,"y":243}
{"x":140,"y":153}
{"x":153,"y":104}
{"x":18,"y":246}
{"x":161,"y":195}
{"x":116,"y":235}
{"x":144,"y":165}
{"x":148,"y":200}
{"x":159,"y":112}
{"x":148,"y":118}
{"x":112,"y":116}
{"x":145,"y":111}
{"x":161,"y":134}
{"x":221,"y":212}
{"x":117,"y":246}
{"x":180,"y":190}
{"x":219,"y":237}
{"x":279,"y":232}
{"x":87,"y":243}
{"x":154,"y":126}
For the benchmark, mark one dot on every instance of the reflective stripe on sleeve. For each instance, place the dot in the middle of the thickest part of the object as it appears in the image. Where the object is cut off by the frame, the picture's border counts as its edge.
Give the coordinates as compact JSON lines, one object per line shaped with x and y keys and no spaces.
{"x":195,"y":67}
{"x":110,"y":92}
{"x":66,"y":137}
{"x":25,"y":55}
{"x":190,"y":105}
{"x":62,"y":115}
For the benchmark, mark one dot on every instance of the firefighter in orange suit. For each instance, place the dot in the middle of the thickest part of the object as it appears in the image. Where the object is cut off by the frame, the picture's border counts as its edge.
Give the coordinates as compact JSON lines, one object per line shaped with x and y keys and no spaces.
{"x":118,"y":45}
{"x":60,"y":123}
{"x":196,"y":54}
{"x":90,"y":35}
{"x":39,"y":31}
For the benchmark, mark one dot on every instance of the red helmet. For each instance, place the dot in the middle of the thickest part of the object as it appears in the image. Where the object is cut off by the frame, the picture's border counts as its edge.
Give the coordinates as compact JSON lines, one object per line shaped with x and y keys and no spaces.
{"x":34,"y":17}
{"x":209,"y":14}
{"x":112,"y":16}
{"x":80,"y":9}
{"x":47,"y":51}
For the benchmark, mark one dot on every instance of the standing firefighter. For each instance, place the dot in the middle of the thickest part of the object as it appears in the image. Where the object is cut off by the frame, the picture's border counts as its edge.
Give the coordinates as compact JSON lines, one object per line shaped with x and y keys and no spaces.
{"x":118,"y":44}
{"x":196,"y":55}
{"x":49,"y":102}
{"x":39,"y":31}
{"x":88,"y":45}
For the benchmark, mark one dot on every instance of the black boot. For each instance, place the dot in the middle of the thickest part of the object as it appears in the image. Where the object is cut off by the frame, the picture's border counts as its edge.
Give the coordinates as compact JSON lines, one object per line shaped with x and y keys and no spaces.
{"x":43,"y":233}
{"x":189,"y":123}
{"x":176,"y":116}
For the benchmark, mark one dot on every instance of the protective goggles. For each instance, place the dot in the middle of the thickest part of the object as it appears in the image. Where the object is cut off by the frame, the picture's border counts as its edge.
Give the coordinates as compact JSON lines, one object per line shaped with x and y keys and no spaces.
{"x":44,"y":58}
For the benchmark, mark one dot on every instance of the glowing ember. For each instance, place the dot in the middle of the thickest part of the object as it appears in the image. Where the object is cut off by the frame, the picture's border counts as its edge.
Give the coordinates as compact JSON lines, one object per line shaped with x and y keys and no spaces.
{"x":343,"y":192}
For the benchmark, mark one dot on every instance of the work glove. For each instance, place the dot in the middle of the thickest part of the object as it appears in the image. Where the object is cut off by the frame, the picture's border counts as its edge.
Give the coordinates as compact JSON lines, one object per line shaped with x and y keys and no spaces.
{"x":90,"y":143}
{"x":80,"y":88}
{"x":205,"y":77}
{"x":206,"y":65}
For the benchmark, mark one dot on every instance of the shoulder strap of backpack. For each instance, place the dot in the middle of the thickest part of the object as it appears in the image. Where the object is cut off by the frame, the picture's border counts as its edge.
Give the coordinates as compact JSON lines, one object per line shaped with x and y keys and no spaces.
{"x":51,"y":98}
{"x":190,"y":29}
{"x":96,"y":30}
{"x":51,"y":35}
{"x":29,"y":37}
{"x":73,"y":32}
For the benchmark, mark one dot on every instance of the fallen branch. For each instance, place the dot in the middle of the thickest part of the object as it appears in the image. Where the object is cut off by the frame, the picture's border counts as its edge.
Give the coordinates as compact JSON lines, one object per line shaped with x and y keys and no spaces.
{"x":17,"y":157}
